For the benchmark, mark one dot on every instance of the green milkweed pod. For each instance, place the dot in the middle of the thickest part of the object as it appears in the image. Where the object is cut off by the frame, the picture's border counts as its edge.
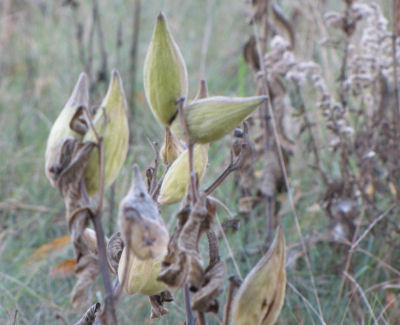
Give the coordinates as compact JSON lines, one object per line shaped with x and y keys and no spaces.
{"x":165,"y":75}
{"x":260,"y":298}
{"x":176,"y":179}
{"x":114,"y":111}
{"x":211,"y":118}
{"x":141,"y":275}
{"x":61,"y":128}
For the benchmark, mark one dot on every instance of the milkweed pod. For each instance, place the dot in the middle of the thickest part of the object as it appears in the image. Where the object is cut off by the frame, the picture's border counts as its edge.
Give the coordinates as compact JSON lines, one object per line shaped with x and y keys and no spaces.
{"x":172,"y":148}
{"x":176,"y":179}
{"x":142,"y":226}
{"x":113,"y":110}
{"x":141,"y":275}
{"x":165,"y":75}
{"x":260,"y":298}
{"x":61,"y":127}
{"x":211,"y":118}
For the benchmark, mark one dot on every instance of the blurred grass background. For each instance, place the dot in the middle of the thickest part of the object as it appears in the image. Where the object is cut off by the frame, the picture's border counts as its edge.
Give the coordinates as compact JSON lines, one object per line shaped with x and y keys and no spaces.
{"x":39,"y":65}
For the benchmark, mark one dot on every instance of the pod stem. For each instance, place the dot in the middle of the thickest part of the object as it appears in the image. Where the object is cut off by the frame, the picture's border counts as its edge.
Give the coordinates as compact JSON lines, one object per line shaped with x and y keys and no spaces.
{"x":192,"y":175}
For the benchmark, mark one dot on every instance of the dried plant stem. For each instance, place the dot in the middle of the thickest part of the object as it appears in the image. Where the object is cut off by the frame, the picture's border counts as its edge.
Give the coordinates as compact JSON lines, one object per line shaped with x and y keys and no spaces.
{"x":234,"y":282}
{"x":284,"y":172}
{"x":396,"y":117}
{"x":201,"y":318}
{"x":190,"y":144}
{"x":188,"y":308}
{"x":109,"y":312}
{"x":133,"y":51}
{"x":355,"y":243}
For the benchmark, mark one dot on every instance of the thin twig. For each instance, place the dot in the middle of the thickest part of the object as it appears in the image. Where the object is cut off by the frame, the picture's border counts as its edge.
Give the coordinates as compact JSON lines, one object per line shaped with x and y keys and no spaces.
{"x":188,"y":308}
{"x":229,"y":248}
{"x":372,"y":224}
{"x":201,"y":318}
{"x":362,"y":296}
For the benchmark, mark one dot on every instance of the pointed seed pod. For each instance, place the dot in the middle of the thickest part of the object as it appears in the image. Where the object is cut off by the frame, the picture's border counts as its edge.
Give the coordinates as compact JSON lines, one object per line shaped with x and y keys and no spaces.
{"x":211,"y":118}
{"x":176,"y":179}
{"x":142,"y":226}
{"x":171,"y":149}
{"x":165,"y":75}
{"x":116,"y":136}
{"x":141,"y":276}
{"x":260,"y":298}
{"x":61,"y":128}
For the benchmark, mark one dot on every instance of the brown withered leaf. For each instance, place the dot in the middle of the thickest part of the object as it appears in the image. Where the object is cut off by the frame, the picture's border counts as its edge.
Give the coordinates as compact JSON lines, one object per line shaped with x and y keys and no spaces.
{"x":64,"y":268}
{"x":204,"y":299}
{"x":90,"y":315}
{"x":250,"y":54}
{"x":79,"y":122}
{"x":115,"y":246}
{"x":139,"y":216}
{"x":157,"y":304}
{"x":49,"y":248}
{"x":86,"y":270}
{"x":174,"y":268}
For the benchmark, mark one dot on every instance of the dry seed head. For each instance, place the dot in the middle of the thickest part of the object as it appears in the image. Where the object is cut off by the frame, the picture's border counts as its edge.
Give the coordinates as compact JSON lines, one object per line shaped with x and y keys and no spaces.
{"x":61,"y":127}
{"x":142,"y":226}
{"x":260,"y":298}
{"x":171,"y":149}
{"x":176,"y":180}
{"x":141,"y":275}
{"x":211,"y":118}
{"x":116,"y":135}
{"x":165,"y":75}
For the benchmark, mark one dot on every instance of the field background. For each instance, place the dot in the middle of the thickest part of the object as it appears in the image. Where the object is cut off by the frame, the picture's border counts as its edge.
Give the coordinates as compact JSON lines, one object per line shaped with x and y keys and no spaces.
{"x":40,"y":61}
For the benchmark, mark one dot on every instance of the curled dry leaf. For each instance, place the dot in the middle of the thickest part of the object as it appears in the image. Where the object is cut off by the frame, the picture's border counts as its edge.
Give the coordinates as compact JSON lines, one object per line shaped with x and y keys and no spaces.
{"x":261,"y":296}
{"x":173,"y":267}
{"x":157,"y":304}
{"x":204,"y":299}
{"x":140,"y":221}
{"x":183,"y":262}
{"x":115,"y":246}
{"x":90,"y":315}
{"x":71,"y":160}
{"x":89,"y":236}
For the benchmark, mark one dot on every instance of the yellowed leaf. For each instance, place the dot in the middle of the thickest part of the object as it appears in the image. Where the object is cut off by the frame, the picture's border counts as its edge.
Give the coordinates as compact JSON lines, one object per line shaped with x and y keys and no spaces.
{"x":49,"y":248}
{"x":393,"y":189}
{"x":63,"y":269}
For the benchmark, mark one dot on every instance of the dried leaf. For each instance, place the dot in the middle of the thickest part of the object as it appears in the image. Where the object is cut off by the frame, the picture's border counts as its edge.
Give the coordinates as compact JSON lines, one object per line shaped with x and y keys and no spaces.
{"x":49,"y":249}
{"x":115,"y":246}
{"x":65,"y":268}
{"x":157,"y":304}
{"x":205,"y":298}
{"x":90,"y":315}
{"x":86,"y":270}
